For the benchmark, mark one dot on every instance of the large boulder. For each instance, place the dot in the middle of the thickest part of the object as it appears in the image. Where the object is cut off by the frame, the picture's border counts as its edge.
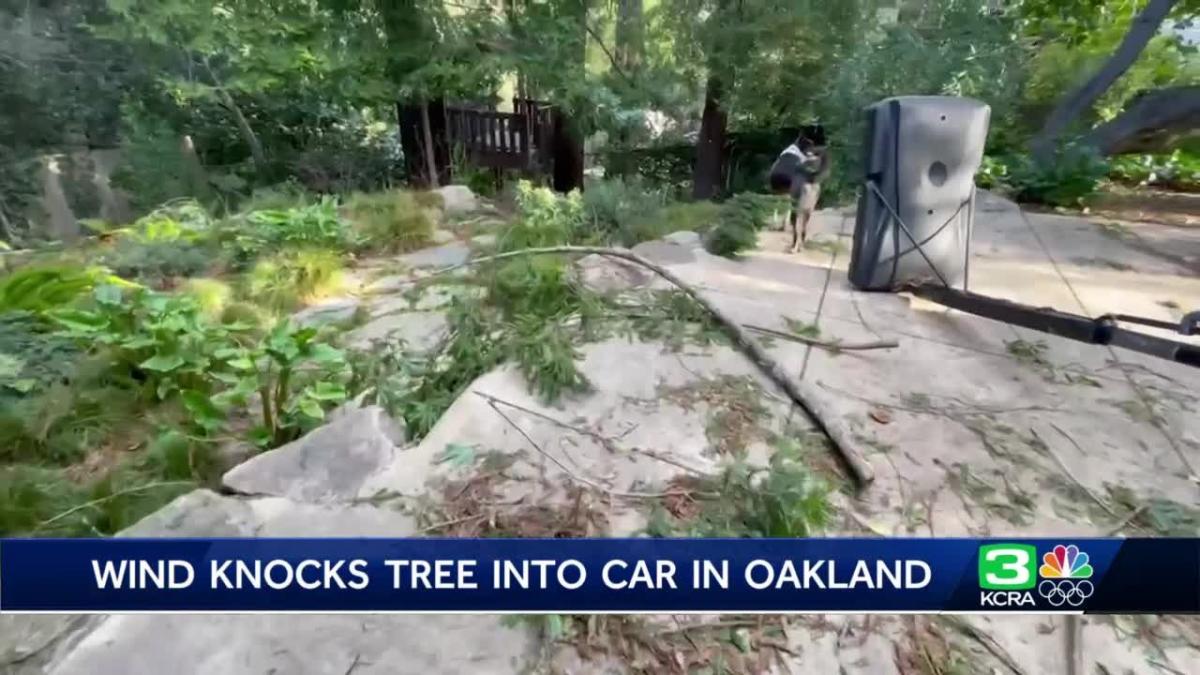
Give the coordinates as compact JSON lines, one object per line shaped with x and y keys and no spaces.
{"x":457,"y":199}
{"x":328,"y":464}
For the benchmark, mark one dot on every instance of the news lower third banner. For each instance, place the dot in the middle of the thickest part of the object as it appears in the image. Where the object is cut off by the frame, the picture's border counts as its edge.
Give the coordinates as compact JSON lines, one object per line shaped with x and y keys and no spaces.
{"x":600,"y":575}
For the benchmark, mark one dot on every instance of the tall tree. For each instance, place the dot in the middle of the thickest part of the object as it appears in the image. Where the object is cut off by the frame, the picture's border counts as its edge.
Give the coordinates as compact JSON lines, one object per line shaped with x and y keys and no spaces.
{"x":630,"y":36}
{"x":1145,"y":26}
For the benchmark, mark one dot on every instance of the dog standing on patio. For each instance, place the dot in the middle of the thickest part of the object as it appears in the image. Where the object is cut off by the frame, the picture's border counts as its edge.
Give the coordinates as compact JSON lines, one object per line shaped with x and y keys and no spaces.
{"x":798,"y":171}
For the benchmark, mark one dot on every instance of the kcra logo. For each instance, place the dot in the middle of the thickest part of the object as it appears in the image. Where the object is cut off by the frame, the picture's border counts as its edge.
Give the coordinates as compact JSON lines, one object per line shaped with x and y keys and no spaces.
{"x":1008,"y":576}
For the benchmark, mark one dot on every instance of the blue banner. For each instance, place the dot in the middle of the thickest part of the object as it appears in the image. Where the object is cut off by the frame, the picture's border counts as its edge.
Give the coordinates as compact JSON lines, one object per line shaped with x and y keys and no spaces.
{"x":600,"y":575}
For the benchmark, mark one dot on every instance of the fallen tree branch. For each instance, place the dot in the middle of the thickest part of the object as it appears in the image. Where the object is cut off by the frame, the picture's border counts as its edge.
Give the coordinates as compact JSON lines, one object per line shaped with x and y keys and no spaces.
{"x":115,"y":495}
{"x":832,"y":345}
{"x":824,"y":418}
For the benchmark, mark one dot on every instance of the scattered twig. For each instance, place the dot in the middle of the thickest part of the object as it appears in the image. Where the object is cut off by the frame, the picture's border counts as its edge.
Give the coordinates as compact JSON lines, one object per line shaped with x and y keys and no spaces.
{"x":989,"y":643}
{"x":1058,"y":460}
{"x":119,"y":493}
{"x":605,"y":442}
{"x":825,"y":419}
{"x":723,"y":623}
{"x":777,"y":645}
{"x":1133,"y":515}
{"x":1162,"y":666}
{"x":574,"y":476}
{"x":832,"y":345}
{"x":454,"y":521}
{"x":354,"y":664}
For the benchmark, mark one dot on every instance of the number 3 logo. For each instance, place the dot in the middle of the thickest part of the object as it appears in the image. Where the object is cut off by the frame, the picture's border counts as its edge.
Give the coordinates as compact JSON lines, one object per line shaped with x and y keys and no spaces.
{"x":1007,"y":567}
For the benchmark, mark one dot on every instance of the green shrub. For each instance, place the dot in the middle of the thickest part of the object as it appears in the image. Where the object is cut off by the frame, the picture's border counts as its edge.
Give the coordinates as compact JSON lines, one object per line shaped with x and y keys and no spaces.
{"x":1069,"y":179}
{"x":30,"y":495}
{"x":281,"y":197}
{"x":164,"y":348}
{"x":313,"y":225}
{"x":160,"y":263}
{"x":247,"y":314}
{"x":212,"y":296}
{"x":993,"y":173}
{"x":1179,"y":170}
{"x":394,"y":221}
{"x":617,"y":211}
{"x":159,"y":344}
{"x":177,"y":220}
{"x":697,"y":216}
{"x":64,"y":422}
{"x":31,"y":357}
{"x":286,"y":280}
{"x":544,"y":219}
{"x":295,"y":376}
{"x":173,"y":455}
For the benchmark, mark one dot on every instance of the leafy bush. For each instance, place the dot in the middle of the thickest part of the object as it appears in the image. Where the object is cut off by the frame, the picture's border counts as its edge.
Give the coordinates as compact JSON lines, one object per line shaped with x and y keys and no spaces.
{"x":697,"y":216}
{"x":1071,"y":177}
{"x":993,"y":173}
{"x":281,"y":197}
{"x":210,"y":295}
{"x":41,"y":501}
{"x":61,"y":423}
{"x":623,"y":212}
{"x":31,"y":358}
{"x":286,"y":280}
{"x":544,"y":219}
{"x":295,"y":377}
{"x":164,"y":347}
{"x":171,"y":242}
{"x":1179,"y":170}
{"x":160,"y":263}
{"x":31,"y":495}
{"x":360,"y":151}
{"x":160,"y":344}
{"x":311,"y":225}
{"x":393,"y":221}
{"x":173,"y":221}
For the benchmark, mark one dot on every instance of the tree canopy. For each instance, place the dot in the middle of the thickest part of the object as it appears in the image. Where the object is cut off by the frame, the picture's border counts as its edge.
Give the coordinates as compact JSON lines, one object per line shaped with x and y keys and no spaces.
{"x":270,"y":90}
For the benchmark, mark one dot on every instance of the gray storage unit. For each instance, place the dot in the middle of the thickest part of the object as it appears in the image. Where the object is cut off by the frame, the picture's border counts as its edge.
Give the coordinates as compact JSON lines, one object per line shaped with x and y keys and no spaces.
{"x":916,"y":207}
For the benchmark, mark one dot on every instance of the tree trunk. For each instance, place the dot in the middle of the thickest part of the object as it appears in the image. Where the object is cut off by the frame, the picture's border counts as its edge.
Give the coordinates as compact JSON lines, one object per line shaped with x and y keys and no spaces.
{"x":1144,"y":27}
{"x":243,"y":125}
{"x":1155,"y":121}
{"x":6,"y":231}
{"x":630,"y":36}
{"x":427,"y":134}
{"x":710,"y":146}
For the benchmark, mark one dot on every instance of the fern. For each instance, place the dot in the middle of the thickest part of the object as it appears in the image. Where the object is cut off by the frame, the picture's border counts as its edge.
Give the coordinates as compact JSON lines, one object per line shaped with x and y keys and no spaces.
{"x":43,"y":288}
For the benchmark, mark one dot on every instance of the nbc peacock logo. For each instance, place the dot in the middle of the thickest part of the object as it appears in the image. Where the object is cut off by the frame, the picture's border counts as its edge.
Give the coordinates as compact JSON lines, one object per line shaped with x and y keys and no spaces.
{"x":1065,"y":573}
{"x":1009,"y":575}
